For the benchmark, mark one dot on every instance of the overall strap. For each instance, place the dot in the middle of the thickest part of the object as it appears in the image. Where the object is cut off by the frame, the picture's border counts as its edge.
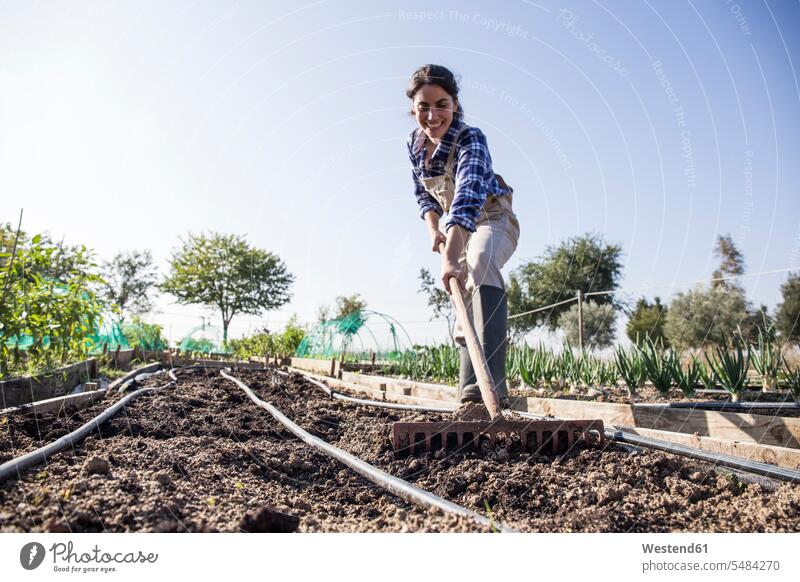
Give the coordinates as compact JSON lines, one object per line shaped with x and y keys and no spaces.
{"x":448,"y":167}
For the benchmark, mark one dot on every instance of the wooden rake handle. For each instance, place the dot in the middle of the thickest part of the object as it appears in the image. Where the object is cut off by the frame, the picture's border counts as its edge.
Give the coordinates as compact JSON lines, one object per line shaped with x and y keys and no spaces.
{"x":476,"y":355}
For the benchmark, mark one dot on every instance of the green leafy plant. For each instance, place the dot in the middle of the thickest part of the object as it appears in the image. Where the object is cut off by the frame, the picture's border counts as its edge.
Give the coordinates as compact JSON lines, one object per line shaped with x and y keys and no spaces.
{"x":766,"y":357}
{"x":730,"y":366}
{"x":791,"y":378}
{"x":630,"y":367}
{"x":569,"y":368}
{"x":686,"y":377}
{"x":524,"y":364}
{"x":49,"y":307}
{"x":439,"y":363}
{"x":490,"y":516}
{"x":658,"y":363}
{"x":225,"y":272}
{"x":707,"y":377}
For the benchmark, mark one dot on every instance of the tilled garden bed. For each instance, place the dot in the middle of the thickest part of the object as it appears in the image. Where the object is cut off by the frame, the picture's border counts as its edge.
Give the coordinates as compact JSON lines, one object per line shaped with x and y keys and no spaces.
{"x":201,"y":457}
{"x":195,"y":457}
{"x":608,"y":490}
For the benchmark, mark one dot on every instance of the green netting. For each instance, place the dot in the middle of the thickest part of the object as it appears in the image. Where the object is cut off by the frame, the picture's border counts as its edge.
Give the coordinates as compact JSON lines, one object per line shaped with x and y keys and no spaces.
{"x":203,"y":338}
{"x":356,"y":337}
{"x":23,"y":342}
{"x":144,"y":335}
{"x":108,"y":333}
{"x":108,"y":336}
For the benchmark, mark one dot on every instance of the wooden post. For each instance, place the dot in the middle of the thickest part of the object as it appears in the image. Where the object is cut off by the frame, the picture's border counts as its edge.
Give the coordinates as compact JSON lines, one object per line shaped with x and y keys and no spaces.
{"x":333,"y":368}
{"x":580,"y":319}
{"x":372,"y":358}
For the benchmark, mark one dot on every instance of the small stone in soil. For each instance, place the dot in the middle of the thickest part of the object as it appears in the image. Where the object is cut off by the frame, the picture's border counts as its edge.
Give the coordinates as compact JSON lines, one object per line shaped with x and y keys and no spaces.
{"x":268,"y":520}
{"x":97,"y":466}
{"x":162,"y":478}
{"x":56,"y":526}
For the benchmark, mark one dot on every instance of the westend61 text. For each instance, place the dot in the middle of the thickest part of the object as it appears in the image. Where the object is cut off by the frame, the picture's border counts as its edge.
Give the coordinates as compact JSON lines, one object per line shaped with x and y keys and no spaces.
{"x":669,"y":549}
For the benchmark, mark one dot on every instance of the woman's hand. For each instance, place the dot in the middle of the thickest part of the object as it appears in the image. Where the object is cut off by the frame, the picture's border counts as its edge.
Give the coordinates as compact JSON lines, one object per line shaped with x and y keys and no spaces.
{"x":452,"y":269}
{"x":437,"y":238}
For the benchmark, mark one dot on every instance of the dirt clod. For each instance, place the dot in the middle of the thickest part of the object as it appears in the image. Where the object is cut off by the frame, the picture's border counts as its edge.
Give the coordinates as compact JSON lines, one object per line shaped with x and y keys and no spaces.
{"x":97,"y":466}
{"x":269,"y":520}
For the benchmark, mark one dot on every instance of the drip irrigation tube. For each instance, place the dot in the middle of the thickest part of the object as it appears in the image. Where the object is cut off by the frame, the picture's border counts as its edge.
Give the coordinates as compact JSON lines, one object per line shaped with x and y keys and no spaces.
{"x":765,"y":469}
{"x":619,"y":436}
{"x":716,"y":458}
{"x":729,"y":406}
{"x":14,"y":467}
{"x":394,"y":405}
{"x":132,"y":374}
{"x":394,"y":485}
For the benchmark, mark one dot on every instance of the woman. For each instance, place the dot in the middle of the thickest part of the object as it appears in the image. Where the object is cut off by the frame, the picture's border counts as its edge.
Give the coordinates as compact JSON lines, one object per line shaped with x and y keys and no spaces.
{"x":452,"y":173}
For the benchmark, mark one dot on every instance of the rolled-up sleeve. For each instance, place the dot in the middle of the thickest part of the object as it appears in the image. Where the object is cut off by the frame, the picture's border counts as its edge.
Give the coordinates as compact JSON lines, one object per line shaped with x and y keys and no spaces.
{"x":473,"y":165}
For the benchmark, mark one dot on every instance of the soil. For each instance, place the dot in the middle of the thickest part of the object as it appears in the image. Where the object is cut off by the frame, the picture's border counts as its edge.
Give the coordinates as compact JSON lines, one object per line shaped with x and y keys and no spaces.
{"x":195,"y":457}
{"x":201,"y":457}
{"x":22,"y":433}
{"x":608,"y":490}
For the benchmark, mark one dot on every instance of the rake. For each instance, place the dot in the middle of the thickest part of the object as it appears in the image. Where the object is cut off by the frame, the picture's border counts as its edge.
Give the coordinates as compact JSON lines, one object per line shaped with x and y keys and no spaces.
{"x":545,"y":436}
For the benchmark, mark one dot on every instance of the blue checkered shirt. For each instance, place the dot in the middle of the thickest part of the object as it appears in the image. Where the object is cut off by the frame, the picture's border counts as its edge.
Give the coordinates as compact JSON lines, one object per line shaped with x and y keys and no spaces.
{"x":472,"y":167}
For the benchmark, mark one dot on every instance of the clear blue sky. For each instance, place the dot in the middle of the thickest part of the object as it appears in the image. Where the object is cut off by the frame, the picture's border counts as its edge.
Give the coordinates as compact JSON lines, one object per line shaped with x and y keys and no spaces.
{"x":656,"y":124}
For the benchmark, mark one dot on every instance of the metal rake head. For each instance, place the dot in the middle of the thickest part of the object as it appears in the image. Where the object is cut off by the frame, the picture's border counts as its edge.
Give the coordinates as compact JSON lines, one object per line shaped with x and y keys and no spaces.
{"x":545,"y":436}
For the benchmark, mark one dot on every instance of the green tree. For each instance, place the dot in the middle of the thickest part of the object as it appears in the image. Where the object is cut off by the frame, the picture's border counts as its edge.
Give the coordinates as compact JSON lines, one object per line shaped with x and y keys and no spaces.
{"x":140,"y":334}
{"x":731,"y":262}
{"x":130,"y":278}
{"x":346,"y":305}
{"x":51,"y":317}
{"x":704,"y":315}
{"x":291,"y":337}
{"x":599,"y":324}
{"x":787,"y":316}
{"x":438,"y":300}
{"x":585,"y":263}
{"x":647,"y":320}
{"x":9,"y":238}
{"x":223,"y":271}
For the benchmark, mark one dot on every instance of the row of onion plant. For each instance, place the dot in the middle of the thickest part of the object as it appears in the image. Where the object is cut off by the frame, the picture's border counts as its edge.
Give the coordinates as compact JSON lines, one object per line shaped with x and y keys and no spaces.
{"x":579,"y":370}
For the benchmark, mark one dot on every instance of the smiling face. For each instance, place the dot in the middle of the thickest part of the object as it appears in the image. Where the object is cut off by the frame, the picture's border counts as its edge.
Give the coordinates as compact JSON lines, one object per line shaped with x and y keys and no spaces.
{"x":433,"y":109}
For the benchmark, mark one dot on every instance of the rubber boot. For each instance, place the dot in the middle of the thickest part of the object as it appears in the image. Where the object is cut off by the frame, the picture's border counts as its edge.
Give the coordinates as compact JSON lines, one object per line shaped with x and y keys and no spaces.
{"x":468,"y":390}
{"x":490,"y":313}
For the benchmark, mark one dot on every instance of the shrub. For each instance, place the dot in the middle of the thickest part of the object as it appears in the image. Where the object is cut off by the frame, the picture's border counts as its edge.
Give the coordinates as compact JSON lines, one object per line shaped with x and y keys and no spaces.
{"x":704,"y":315}
{"x":599,"y":324}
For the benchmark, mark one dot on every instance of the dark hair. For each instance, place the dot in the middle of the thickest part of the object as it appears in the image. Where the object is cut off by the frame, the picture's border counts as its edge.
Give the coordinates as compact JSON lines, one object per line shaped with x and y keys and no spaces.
{"x":435,"y":75}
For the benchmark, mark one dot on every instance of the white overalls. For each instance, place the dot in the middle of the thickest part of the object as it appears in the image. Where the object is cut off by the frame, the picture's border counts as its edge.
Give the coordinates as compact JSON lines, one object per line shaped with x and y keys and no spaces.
{"x":495,"y":237}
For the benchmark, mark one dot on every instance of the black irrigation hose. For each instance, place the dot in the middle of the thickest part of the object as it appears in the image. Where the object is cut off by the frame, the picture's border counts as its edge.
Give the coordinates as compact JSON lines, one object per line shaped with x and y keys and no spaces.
{"x":14,"y":467}
{"x":715,"y":458}
{"x":394,"y":485}
{"x":619,"y":436}
{"x":394,"y":405}
{"x":723,"y":406}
